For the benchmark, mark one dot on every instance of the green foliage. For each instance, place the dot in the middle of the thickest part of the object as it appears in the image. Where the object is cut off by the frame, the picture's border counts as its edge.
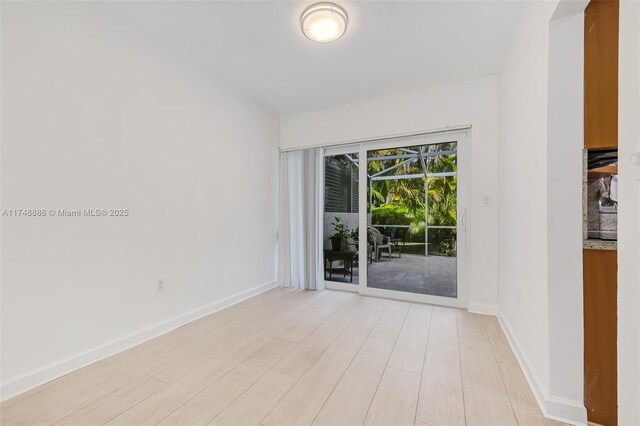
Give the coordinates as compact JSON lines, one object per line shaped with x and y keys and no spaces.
{"x":340,"y":229}
{"x":402,"y":201}
{"x":355,"y":234}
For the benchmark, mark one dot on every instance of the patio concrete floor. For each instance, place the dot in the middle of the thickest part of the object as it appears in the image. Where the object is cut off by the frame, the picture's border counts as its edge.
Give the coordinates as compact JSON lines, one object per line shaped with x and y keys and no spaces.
{"x":433,"y":275}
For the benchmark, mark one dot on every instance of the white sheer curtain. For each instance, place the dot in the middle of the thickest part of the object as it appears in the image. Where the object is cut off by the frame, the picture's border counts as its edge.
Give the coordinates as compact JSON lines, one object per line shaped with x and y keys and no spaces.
{"x":301,"y":207}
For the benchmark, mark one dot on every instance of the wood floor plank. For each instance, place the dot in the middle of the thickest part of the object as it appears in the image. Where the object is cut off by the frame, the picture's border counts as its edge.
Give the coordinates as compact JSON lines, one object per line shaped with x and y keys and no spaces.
{"x":62,"y":396}
{"x":161,"y":404}
{"x":470,"y":326}
{"x":254,"y":405}
{"x":184,"y":342}
{"x":231,"y":368}
{"x":499,"y":343}
{"x":522,"y":400}
{"x":350,"y":399}
{"x":208,"y":326}
{"x":303,"y":402}
{"x":444,"y":324}
{"x":209,"y":329}
{"x":485,"y":396}
{"x":298,"y":361}
{"x":102,"y":410}
{"x":172,"y":370}
{"x":441,"y":399}
{"x":275,"y":315}
{"x":49,"y":406}
{"x":408,"y":353}
{"x":164,"y":402}
{"x":207,"y":404}
{"x":391,"y":322}
{"x":395,"y":400}
{"x":302,"y":328}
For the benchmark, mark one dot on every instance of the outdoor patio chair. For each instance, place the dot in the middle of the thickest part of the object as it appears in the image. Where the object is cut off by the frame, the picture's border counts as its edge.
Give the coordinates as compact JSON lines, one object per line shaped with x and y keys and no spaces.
{"x":398,"y":237}
{"x":353,"y":246}
{"x":380,"y":243}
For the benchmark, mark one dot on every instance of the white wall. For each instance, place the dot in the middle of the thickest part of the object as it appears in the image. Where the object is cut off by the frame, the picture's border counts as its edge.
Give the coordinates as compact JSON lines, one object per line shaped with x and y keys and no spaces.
{"x":95,"y":117}
{"x":472,"y":102}
{"x":629,"y":216}
{"x":523,"y":190}
{"x":540,"y":210}
{"x":564,"y":208}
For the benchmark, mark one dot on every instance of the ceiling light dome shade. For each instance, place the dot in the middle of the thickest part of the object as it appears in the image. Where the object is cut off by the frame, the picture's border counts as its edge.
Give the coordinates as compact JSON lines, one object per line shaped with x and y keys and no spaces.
{"x":324,"y":22}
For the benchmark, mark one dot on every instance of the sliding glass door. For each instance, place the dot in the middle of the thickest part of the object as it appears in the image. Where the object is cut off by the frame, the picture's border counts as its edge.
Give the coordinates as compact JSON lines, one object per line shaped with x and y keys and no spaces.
{"x":405,"y":236}
{"x":413,"y":208}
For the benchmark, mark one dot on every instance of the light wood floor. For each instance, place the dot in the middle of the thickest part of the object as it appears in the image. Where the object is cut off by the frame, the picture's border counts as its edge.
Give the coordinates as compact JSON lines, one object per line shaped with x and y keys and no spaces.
{"x":298,"y":358}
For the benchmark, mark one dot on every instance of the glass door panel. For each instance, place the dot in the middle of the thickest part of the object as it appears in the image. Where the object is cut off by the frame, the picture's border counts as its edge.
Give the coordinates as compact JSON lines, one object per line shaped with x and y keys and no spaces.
{"x":412,"y":213}
{"x":340,"y":229}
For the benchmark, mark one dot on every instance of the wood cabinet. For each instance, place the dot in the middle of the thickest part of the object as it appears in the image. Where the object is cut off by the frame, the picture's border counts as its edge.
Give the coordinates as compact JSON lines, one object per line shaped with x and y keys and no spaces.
{"x":600,"y":269}
{"x":600,"y":266}
{"x":601,"y":74}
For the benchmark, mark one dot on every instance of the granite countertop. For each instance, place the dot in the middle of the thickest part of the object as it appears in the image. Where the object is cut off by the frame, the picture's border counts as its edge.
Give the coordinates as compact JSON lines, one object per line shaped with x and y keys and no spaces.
{"x":600,"y":245}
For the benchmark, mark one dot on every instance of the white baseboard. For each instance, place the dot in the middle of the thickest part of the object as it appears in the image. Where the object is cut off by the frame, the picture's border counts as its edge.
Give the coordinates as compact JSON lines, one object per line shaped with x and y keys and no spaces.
{"x":566,"y":410}
{"x":44,"y":374}
{"x":561,"y":409}
{"x":483,"y":308}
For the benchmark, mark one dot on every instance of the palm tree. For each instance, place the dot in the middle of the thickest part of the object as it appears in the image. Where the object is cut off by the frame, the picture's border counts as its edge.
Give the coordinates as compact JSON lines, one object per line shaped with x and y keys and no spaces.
{"x":402,"y":201}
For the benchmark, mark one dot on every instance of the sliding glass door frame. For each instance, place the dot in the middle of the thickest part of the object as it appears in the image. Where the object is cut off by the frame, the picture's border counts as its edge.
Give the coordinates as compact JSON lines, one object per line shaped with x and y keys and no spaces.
{"x":462,"y":138}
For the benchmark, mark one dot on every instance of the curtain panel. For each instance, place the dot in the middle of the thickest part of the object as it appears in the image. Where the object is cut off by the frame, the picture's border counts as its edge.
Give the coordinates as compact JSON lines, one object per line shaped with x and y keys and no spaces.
{"x":300,"y":219}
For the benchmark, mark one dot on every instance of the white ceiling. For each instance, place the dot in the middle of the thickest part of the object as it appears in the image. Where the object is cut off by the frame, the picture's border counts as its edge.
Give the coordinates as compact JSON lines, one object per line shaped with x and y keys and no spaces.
{"x":258,"y":48}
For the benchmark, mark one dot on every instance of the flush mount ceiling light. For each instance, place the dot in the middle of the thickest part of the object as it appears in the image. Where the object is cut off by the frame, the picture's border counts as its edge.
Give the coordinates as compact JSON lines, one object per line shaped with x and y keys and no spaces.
{"x":324,"y":22}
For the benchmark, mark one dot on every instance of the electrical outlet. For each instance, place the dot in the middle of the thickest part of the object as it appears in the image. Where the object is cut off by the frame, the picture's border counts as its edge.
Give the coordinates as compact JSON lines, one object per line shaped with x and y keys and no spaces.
{"x":160,"y":285}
